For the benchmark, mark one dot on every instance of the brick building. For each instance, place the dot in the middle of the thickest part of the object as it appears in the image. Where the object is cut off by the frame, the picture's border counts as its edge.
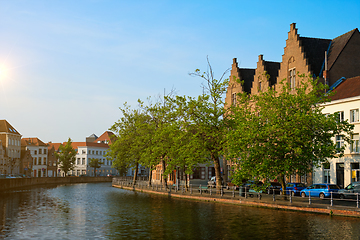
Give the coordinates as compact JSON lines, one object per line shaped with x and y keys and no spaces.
{"x":332,"y":60}
{"x":10,"y":148}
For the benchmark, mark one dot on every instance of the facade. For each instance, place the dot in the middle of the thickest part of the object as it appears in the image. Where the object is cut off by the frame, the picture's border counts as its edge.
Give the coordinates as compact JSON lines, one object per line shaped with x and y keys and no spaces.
{"x":10,"y":148}
{"x":93,"y":147}
{"x":39,"y":151}
{"x":346,"y":102}
{"x":26,"y":163}
{"x":330,"y":60}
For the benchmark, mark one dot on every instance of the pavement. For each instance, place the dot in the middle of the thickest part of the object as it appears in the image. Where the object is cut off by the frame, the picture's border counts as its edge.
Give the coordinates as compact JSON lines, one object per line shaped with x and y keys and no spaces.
{"x":335,"y":207}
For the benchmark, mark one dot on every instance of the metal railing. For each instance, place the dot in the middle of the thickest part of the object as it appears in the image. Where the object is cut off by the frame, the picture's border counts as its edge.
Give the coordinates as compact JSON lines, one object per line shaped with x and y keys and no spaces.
{"x":242,"y":193}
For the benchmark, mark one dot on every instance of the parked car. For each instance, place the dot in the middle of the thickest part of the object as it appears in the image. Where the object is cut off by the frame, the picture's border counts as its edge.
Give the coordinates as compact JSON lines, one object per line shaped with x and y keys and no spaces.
{"x":212,"y":182}
{"x":350,"y":191}
{"x":274,"y":188}
{"x":321,"y":190}
{"x":294,"y":188}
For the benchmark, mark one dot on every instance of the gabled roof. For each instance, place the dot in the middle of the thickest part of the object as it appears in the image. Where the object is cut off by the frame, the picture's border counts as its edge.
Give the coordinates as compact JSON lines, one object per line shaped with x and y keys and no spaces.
{"x":247,"y":75}
{"x":76,"y":145}
{"x":55,"y":145}
{"x":272,"y":68}
{"x":106,"y":137}
{"x":337,"y":45}
{"x":32,"y":142}
{"x":347,"y":89}
{"x":314,"y":49}
{"x":5,"y":126}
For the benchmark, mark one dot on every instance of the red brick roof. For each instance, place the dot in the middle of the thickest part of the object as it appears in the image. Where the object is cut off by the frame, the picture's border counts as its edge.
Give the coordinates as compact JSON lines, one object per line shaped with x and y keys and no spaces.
{"x":347,"y":89}
{"x":106,"y":136}
{"x":32,"y":141}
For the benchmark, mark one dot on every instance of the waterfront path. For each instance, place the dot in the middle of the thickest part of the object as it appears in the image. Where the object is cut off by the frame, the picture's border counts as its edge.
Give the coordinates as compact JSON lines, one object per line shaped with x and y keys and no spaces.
{"x":335,"y":206}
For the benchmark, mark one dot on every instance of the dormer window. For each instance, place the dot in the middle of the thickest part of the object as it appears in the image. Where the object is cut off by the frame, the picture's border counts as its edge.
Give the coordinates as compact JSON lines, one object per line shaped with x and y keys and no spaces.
{"x":260,"y":87}
{"x":292,"y":76}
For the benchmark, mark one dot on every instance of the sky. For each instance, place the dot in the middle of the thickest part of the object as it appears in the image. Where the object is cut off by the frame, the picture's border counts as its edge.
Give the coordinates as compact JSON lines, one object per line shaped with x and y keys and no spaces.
{"x":67,"y":66}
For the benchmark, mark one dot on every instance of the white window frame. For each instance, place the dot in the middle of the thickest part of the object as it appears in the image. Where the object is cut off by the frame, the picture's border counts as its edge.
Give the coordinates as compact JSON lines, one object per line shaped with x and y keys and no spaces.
{"x":354,"y":115}
{"x":355,"y":143}
{"x":233,"y":99}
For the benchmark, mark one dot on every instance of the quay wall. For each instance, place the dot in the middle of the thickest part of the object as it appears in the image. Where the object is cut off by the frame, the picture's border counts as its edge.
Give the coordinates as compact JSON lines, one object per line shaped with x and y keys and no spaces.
{"x":11,"y":183}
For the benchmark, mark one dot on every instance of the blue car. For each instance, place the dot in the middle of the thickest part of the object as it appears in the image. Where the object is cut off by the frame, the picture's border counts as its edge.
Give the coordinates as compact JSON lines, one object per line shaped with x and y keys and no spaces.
{"x":321,"y":190}
{"x":294,"y":188}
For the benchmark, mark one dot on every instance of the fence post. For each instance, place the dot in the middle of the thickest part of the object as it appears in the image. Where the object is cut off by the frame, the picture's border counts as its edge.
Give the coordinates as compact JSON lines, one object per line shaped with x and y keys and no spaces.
{"x":290,"y":195}
{"x":221,"y":191}
{"x":357,"y":201}
{"x":273,"y":195}
{"x":245,"y":192}
{"x":309,"y":198}
{"x":234,"y":191}
{"x":210,"y":190}
{"x":190,"y":189}
{"x":200,"y":189}
{"x":331,"y":200}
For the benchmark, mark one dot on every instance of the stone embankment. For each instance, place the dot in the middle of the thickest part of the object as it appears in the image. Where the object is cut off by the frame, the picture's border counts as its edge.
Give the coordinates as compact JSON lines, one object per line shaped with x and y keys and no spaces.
{"x":12,"y":183}
{"x":319,"y":206}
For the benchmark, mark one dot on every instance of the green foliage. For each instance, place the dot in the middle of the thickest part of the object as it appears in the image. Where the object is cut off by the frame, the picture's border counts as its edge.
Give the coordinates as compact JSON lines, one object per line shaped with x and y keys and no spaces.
{"x":95,"y":163}
{"x":278,"y":133}
{"x":66,"y":157}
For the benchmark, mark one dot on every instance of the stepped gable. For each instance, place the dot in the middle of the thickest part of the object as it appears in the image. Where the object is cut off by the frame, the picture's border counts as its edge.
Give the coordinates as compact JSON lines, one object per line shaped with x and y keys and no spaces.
{"x":347,"y":89}
{"x":314,"y":51}
{"x":6,"y":127}
{"x":337,"y":45}
{"x":247,"y":75}
{"x":272,"y":68}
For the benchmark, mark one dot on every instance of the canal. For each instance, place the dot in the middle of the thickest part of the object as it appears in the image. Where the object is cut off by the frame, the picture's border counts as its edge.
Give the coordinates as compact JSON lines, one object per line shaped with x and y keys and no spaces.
{"x":99,"y":211}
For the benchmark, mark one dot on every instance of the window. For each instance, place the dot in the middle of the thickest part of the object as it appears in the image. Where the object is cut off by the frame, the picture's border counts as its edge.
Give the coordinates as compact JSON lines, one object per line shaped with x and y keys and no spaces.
{"x":199,"y":173}
{"x":39,"y":161}
{"x":260,"y":86}
{"x":45,"y":151}
{"x":233,"y":99}
{"x":78,"y":161}
{"x":355,"y":172}
{"x":35,"y":152}
{"x":326,"y":167}
{"x":83,"y":161}
{"x":354,"y":115}
{"x":339,"y":141}
{"x":355,"y":143}
{"x":292,"y":75}
{"x":44,"y":161}
{"x":340,"y":116}
{"x":40,"y":151}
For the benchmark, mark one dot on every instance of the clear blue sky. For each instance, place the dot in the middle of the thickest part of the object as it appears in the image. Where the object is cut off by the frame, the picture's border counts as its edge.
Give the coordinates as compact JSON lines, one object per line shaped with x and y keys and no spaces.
{"x":66,"y":66}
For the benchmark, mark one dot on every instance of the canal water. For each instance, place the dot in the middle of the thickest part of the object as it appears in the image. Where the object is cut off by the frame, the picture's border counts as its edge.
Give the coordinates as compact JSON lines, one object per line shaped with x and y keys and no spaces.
{"x":99,"y":211}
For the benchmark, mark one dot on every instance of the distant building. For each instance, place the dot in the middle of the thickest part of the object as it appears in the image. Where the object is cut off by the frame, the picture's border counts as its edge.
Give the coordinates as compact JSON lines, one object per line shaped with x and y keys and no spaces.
{"x":38,"y":150}
{"x":10,"y":148}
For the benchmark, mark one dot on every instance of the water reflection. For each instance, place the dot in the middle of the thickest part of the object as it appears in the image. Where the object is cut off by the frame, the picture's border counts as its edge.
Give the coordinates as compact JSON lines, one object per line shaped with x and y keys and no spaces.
{"x":93,"y":211}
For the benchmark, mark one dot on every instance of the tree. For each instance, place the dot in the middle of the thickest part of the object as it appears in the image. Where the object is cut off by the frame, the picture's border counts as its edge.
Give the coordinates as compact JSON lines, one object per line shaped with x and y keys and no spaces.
{"x":130,"y":131}
{"x":66,"y":157}
{"x":95,"y":163}
{"x":275,"y":134}
{"x":205,"y":121}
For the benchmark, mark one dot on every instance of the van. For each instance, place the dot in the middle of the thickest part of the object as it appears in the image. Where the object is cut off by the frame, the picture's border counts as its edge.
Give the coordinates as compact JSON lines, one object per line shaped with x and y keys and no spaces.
{"x":350,"y":191}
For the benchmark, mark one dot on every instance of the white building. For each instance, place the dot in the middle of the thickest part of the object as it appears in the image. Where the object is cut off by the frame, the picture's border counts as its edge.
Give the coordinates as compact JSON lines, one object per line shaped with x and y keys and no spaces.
{"x":346,"y":101}
{"x":38,"y":151}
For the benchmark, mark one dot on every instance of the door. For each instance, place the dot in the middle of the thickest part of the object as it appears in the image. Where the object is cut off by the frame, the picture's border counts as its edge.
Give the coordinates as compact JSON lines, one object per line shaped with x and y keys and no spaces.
{"x":340,"y":174}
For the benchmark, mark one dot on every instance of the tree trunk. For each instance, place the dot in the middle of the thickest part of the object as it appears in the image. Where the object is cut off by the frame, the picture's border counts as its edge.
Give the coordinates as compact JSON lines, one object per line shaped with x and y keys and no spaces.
{"x":163,"y":177}
{"x":216,"y":161}
{"x":150,"y":176}
{"x":135,"y":174}
{"x":283,"y":185}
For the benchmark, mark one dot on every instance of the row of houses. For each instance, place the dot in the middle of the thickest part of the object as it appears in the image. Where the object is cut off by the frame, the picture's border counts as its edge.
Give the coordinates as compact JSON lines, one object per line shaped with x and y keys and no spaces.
{"x":34,"y":158}
{"x":336,"y":62}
